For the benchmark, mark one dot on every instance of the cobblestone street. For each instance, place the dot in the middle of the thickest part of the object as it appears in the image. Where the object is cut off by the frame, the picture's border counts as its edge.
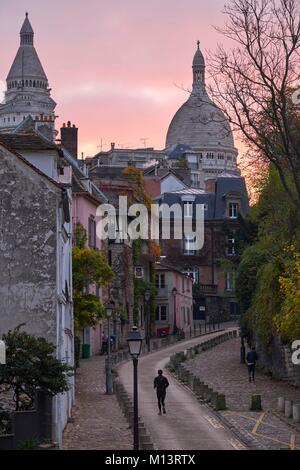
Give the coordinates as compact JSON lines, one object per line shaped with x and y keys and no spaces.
{"x":98,"y":421}
{"x":221,"y":369}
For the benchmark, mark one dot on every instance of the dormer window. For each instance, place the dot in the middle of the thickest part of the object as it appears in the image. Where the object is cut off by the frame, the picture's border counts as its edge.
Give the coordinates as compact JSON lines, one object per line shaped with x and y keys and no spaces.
{"x":188,"y":209}
{"x":210,"y":155}
{"x":233,"y":210}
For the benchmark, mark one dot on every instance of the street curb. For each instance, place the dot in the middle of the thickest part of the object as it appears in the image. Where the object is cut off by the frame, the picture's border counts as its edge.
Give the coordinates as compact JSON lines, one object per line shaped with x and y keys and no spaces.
{"x":241,"y":437}
{"x":126,"y":405}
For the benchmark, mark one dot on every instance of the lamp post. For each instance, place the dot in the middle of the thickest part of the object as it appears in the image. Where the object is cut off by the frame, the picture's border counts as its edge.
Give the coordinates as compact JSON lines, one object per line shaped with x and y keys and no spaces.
{"x":134,"y":341}
{"x":109,"y":386}
{"x":147,"y":299}
{"x":174,"y":293}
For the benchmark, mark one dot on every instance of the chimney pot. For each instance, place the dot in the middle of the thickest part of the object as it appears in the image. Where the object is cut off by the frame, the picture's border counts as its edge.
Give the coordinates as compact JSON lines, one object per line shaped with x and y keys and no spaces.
{"x":69,"y":138}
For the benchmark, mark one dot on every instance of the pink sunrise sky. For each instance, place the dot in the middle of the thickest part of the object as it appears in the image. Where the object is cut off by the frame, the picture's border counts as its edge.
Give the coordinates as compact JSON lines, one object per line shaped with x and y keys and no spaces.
{"x":115,"y":68}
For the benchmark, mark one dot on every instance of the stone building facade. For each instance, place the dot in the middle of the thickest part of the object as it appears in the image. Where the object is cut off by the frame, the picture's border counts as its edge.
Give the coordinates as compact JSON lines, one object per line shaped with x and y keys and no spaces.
{"x":35,"y":262}
{"x":28,"y":93}
{"x":224,"y":200}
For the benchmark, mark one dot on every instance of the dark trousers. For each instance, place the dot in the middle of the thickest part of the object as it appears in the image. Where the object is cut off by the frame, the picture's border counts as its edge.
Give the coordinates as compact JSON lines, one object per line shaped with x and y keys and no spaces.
{"x":161,"y":400}
{"x":251,"y":371}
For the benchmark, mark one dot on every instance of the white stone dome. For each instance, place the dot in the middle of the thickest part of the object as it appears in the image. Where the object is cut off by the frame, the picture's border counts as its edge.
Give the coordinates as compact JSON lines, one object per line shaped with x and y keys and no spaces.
{"x":199,"y":123}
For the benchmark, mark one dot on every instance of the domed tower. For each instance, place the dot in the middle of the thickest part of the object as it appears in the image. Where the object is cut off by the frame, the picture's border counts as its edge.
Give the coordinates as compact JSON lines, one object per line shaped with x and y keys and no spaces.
{"x":202,"y":129}
{"x":28,"y":93}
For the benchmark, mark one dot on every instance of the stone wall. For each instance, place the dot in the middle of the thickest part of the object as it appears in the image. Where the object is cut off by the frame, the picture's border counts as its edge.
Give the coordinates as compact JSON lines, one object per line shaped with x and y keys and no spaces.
{"x":28,"y":248}
{"x":277,"y":360}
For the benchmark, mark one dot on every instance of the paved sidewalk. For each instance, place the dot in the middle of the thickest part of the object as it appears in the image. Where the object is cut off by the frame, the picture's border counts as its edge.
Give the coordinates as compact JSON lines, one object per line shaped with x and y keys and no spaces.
{"x":187,"y":424}
{"x":98,"y":421}
{"x":221,"y":369}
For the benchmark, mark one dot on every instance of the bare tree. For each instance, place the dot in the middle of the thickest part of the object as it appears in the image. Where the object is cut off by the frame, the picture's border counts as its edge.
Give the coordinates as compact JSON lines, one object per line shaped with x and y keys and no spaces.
{"x":254,"y":81}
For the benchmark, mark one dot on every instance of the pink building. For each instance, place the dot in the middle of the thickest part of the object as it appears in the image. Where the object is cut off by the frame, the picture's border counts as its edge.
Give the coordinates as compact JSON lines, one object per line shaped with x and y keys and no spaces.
{"x":174,"y":302}
{"x":86,"y":198}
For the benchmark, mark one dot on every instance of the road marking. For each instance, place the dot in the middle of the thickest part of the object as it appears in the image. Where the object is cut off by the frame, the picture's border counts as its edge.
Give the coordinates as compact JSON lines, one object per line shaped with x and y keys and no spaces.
{"x":274,"y":439}
{"x":293,"y":442}
{"x":258,"y":422}
{"x":214,"y":422}
{"x":237,"y":445}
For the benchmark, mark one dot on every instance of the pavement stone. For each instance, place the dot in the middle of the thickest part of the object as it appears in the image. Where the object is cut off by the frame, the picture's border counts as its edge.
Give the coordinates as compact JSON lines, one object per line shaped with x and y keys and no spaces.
{"x":98,"y":420}
{"x":220,"y":369}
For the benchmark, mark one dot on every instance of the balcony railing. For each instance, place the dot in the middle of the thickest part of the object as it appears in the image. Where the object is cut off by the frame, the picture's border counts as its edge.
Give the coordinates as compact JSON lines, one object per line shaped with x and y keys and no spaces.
{"x":208,"y":288}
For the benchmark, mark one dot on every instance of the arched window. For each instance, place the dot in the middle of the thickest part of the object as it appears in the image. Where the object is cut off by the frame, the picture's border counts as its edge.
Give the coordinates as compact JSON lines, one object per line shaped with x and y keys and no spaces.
{"x":34,"y":83}
{"x":30,"y":83}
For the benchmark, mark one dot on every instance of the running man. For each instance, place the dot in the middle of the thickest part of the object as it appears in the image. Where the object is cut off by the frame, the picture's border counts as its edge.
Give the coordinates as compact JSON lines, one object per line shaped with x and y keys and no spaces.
{"x":161,"y":383}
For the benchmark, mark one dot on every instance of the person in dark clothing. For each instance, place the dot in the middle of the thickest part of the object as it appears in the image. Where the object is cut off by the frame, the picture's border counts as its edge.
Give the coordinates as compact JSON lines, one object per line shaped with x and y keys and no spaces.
{"x":161,"y":383}
{"x":251,"y":362}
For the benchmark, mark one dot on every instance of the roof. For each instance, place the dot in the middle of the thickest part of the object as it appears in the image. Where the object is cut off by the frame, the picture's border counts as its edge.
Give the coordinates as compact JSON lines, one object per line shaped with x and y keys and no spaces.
{"x":189,"y":191}
{"x":30,"y":140}
{"x":26,"y":28}
{"x":33,"y":167}
{"x":26,"y":63}
{"x":198,"y":57}
{"x":199,"y":123}
{"x":177,"y":151}
{"x":79,"y":176}
{"x":169,"y":267}
{"x":215,"y":202}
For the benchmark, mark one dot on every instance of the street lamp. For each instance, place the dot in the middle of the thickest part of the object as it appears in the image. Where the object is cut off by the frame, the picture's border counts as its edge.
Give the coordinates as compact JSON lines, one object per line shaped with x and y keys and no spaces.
{"x":134,"y":341}
{"x":174,"y":293}
{"x":147,"y":299}
{"x":109,"y":386}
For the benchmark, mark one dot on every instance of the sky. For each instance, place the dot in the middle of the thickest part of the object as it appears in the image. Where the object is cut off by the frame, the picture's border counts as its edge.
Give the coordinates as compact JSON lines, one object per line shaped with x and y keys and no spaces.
{"x":116,"y":68}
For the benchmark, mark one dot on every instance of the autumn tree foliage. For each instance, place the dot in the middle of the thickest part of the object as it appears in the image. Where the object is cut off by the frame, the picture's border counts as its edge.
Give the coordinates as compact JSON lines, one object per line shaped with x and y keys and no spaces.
{"x":254,"y":81}
{"x":90,"y":268}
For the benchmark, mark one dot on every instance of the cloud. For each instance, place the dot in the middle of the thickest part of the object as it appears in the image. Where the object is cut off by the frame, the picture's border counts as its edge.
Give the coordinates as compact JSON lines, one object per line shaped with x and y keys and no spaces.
{"x":94,"y":90}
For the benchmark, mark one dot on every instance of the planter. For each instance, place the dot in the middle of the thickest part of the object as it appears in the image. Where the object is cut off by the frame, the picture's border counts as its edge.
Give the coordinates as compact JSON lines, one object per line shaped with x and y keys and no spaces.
{"x":7,"y":442}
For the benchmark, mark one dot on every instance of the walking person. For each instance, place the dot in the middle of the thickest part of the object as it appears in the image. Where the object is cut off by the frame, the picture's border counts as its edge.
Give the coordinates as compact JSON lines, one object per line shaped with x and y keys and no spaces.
{"x":161,"y":384}
{"x":251,"y":362}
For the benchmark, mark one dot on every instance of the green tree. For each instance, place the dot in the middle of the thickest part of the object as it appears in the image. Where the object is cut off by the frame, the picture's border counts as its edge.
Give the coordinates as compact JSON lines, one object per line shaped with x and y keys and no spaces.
{"x":89,"y":268}
{"x":267,"y":274}
{"x":30,"y":366}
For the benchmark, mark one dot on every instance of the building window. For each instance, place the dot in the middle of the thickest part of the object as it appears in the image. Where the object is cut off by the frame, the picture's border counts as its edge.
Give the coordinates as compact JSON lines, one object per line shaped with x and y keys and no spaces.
{"x":210,"y":155}
{"x":188,"y":209}
{"x":92,"y":232}
{"x":188,"y":315}
{"x":195,"y":180}
{"x":229,"y":157}
{"x":230,"y":280}
{"x":231,"y":246}
{"x":161,"y":313}
{"x":193,"y":274}
{"x":221,"y":156}
{"x":160,"y":281}
{"x":233,"y":210}
{"x":188,"y":245}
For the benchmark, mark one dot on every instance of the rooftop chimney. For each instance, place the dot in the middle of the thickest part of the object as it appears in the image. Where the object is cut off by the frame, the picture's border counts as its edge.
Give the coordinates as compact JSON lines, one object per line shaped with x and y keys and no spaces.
{"x":69,"y":138}
{"x":112,"y":145}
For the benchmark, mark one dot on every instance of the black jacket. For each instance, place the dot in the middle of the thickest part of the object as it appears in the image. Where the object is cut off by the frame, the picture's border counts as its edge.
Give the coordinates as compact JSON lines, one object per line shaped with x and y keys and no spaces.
{"x":251,"y":357}
{"x":161,"y":383}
